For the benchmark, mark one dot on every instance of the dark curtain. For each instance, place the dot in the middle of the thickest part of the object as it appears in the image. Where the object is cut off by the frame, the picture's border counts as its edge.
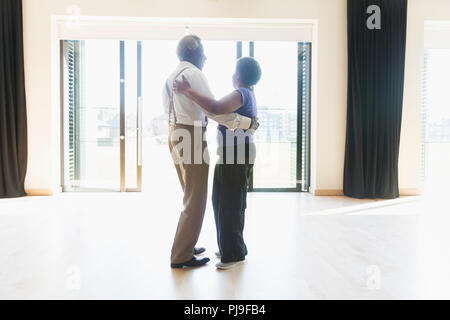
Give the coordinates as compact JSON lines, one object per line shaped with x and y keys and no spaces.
{"x":13,"y":117}
{"x":376,"y":63}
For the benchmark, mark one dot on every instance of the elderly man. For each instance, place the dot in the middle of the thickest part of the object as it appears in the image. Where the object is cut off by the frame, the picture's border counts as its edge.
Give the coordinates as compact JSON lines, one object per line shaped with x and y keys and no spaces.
{"x":185,"y":116}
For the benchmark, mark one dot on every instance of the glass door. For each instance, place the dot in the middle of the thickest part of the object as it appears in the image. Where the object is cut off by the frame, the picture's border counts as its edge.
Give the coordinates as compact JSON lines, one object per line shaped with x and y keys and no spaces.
{"x":131,"y":116}
{"x":101,"y":115}
{"x":436,"y":121}
{"x":102,"y":83}
{"x":283,"y":97}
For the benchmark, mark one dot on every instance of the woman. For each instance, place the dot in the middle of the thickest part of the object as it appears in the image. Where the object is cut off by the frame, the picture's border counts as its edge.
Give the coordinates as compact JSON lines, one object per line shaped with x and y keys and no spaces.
{"x":236,"y":159}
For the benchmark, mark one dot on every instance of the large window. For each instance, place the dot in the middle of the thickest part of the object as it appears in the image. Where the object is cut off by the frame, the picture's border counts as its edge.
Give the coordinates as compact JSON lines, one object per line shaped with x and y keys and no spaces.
{"x":436,"y":116}
{"x":115,"y":132}
{"x":283,"y":98}
{"x":101,"y":106}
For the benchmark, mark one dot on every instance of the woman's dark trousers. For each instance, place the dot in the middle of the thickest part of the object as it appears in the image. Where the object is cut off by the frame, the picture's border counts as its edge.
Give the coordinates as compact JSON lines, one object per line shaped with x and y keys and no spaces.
{"x":229,"y":197}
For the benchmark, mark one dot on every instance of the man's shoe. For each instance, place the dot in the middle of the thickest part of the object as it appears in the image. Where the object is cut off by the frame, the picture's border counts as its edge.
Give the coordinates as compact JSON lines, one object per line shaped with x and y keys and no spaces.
{"x":199,"y":250}
{"x":228,"y":265}
{"x":194,"y":262}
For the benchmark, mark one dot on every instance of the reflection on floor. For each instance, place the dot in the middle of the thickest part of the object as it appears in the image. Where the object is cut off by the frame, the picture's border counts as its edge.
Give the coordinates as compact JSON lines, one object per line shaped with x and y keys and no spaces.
{"x":300,"y":247}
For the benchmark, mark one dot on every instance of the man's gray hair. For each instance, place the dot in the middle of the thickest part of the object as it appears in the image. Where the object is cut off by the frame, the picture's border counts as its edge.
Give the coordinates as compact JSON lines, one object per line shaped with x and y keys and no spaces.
{"x":188,"y":46}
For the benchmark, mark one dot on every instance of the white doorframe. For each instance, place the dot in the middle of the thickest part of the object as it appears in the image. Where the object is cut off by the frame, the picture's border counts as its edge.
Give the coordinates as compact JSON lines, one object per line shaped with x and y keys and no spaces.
{"x":70,"y":27}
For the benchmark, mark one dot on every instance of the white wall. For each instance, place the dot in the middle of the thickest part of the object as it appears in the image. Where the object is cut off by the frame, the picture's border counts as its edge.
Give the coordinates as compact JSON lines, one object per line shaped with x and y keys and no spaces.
{"x":331,"y":77}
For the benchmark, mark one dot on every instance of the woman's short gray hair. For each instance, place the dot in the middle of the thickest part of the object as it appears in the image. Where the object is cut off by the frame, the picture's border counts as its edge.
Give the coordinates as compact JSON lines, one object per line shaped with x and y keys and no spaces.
{"x":188,"y":46}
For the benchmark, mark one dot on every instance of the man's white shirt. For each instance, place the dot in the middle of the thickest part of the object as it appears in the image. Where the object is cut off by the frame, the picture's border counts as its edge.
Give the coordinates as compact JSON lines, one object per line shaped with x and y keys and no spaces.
{"x":188,"y":112}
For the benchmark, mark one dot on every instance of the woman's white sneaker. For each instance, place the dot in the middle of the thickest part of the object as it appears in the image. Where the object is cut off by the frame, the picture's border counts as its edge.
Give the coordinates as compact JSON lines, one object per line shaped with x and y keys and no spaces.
{"x":228,"y":265}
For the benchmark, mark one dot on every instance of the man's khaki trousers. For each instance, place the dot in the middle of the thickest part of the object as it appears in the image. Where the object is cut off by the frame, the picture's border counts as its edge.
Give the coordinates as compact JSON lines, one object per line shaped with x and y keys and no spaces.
{"x":192,"y":172}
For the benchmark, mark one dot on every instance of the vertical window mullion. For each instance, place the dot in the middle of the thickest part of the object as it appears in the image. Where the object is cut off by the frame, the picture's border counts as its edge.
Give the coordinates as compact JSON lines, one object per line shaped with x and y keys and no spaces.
{"x":238,"y":49}
{"x":304,"y":116}
{"x":122,"y":116}
{"x":252,"y":54}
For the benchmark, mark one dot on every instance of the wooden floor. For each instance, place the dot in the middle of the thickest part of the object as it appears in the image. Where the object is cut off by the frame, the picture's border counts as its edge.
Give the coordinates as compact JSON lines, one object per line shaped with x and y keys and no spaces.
{"x":117,"y":246}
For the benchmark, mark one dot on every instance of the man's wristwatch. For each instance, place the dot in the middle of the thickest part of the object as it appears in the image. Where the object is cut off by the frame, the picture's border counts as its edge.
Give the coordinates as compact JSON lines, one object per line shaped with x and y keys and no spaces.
{"x":254,"y":124}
